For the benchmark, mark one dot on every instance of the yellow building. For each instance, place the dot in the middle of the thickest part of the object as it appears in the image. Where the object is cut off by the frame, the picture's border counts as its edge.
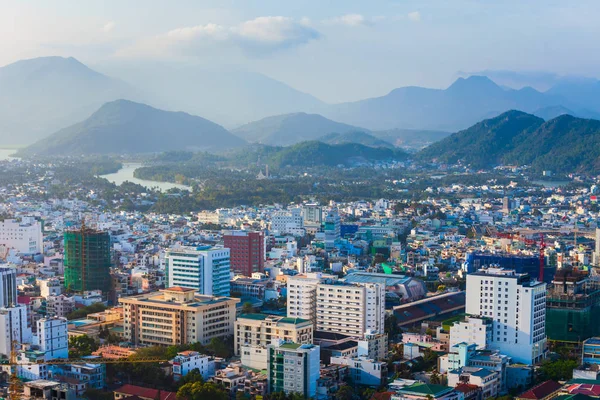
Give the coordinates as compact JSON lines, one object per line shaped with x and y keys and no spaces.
{"x":261,"y":329}
{"x":177,"y":316}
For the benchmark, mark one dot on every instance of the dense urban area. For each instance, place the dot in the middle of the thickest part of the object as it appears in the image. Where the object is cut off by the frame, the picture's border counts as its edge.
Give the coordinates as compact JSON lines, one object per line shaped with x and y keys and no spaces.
{"x":457,"y":283}
{"x":289,"y":200}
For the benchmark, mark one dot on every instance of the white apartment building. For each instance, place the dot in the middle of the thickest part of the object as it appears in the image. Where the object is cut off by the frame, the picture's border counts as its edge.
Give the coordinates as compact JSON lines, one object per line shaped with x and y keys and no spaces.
{"x":487,"y":380}
{"x":24,"y":235}
{"x":13,"y":326}
{"x":364,"y":371}
{"x":187,"y":361}
{"x":350,"y":309}
{"x":177,"y":316}
{"x":302,"y":296}
{"x":8,"y":287}
{"x":206,"y":270}
{"x":53,"y":338}
{"x":262,"y":329}
{"x":287,"y":221}
{"x":517,"y":306}
{"x":293,"y":368}
{"x":473,"y":330}
{"x":256,"y":357}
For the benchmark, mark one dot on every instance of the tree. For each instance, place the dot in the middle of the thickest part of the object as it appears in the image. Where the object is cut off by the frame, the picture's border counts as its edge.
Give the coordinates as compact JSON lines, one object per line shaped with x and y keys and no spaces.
{"x":346,"y":392}
{"x":82,"y":345}
{"x":202,"y":391}
{"x":247,"y":308}
{"x":192,"y":377}
{"x":559,"y":370}
{"x":221,"y":348}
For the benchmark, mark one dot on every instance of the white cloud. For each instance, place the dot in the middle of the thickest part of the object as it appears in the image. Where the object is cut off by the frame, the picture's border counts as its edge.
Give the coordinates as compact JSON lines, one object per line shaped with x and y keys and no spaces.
{"x":109,"y":26}
{"x":260,"y":35}
{"x":349,"y":20}
{"x":414,"y":16}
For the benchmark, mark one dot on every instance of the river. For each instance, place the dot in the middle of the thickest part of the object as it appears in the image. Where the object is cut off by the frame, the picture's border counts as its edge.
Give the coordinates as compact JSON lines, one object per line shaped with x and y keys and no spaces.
{"x":126,"y":174}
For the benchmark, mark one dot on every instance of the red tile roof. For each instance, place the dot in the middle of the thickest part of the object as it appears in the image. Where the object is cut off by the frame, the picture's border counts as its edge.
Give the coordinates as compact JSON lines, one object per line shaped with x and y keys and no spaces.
{"x":541,"y":391}
{"x":382,"y":396}
{"x":145,"y":393}
{"x":584,"y":388}
{"x":466,"y":388}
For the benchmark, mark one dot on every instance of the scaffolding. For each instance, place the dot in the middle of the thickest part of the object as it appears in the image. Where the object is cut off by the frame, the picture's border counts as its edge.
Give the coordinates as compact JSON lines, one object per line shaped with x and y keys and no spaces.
{"x":87,"y":260}
{"x":573,"y":307}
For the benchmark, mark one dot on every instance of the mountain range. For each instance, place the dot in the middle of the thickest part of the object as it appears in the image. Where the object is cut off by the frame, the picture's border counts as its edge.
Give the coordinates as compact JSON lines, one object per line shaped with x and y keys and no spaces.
{"x":564,"y":143}
{"x":462,"y":104}
{"x":125,"y":127}
{"x":43,"y":95}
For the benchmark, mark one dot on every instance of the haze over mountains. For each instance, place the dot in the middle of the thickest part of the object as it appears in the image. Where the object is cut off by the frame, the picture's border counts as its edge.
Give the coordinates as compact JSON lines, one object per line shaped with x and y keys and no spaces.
{"x":288,"y":129}
{"x":41,"y":96}
{"x":125,"y":127}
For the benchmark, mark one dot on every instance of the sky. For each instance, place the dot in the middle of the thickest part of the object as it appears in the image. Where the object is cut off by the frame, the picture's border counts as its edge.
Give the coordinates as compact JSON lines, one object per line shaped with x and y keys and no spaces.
{"x":338,"y":51}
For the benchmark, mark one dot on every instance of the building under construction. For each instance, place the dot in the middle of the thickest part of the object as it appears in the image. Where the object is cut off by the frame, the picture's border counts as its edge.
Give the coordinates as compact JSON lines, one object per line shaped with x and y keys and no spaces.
{"x":87,"y":260}
{"x":573,"y":306}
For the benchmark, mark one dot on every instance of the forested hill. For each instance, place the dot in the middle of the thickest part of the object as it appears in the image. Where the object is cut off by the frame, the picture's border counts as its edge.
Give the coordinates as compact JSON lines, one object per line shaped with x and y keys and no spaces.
{"x":125,"y":127}
{"x":562,"y":144}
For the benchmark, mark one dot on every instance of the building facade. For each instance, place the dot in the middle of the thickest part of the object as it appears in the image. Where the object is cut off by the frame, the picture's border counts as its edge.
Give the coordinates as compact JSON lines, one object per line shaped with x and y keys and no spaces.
{"x":8,"y":287}
{"x":53,"y":338}
{"x":177,"y":316}
{"x":14,"y":326}
{"x":302,"y":296}
{"x":87,"y":260}
{"x":517,"y":306}
{"x":25,"y":235}
{"x":247,"y":251}
{"x":187,"y":361}
{"x":350,"y":309}
{"x":293,"y":368}
{"x":261,"y":329}
{"x":205,"y":270}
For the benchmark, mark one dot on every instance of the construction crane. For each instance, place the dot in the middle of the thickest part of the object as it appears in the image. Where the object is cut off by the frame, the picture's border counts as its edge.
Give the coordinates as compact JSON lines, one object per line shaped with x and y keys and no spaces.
{"x":15,"y":383}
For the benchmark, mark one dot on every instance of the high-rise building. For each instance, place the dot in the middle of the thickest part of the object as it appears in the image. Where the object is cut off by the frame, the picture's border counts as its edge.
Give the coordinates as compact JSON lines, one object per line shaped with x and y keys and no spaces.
{"x":517,"y":306}
{"x":332,"y":228}
{"x":247,"y":251}
{"x":14,"y":326}
{"x":53,"y":338}
{"x":8,"y":287}
{"x":350,"y":309}
{"x":206,"y":270}
{"x":293,"y":368}
{"x":24,"y":235}
{"x":87,"y":260}
{"x":301,"y":296}
{"x":176,"y":316}
{"x":262,"y":329}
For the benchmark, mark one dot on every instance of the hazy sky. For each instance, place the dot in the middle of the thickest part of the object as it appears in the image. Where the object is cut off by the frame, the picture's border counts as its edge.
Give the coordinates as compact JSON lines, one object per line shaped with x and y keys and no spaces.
{"x":336,"y":50}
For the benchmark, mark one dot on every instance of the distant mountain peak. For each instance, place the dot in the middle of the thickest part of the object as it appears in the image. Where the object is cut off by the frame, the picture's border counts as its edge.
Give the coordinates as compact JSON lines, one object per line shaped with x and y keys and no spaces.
{"x":126,"y":127}
{"x":474,"y":82}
